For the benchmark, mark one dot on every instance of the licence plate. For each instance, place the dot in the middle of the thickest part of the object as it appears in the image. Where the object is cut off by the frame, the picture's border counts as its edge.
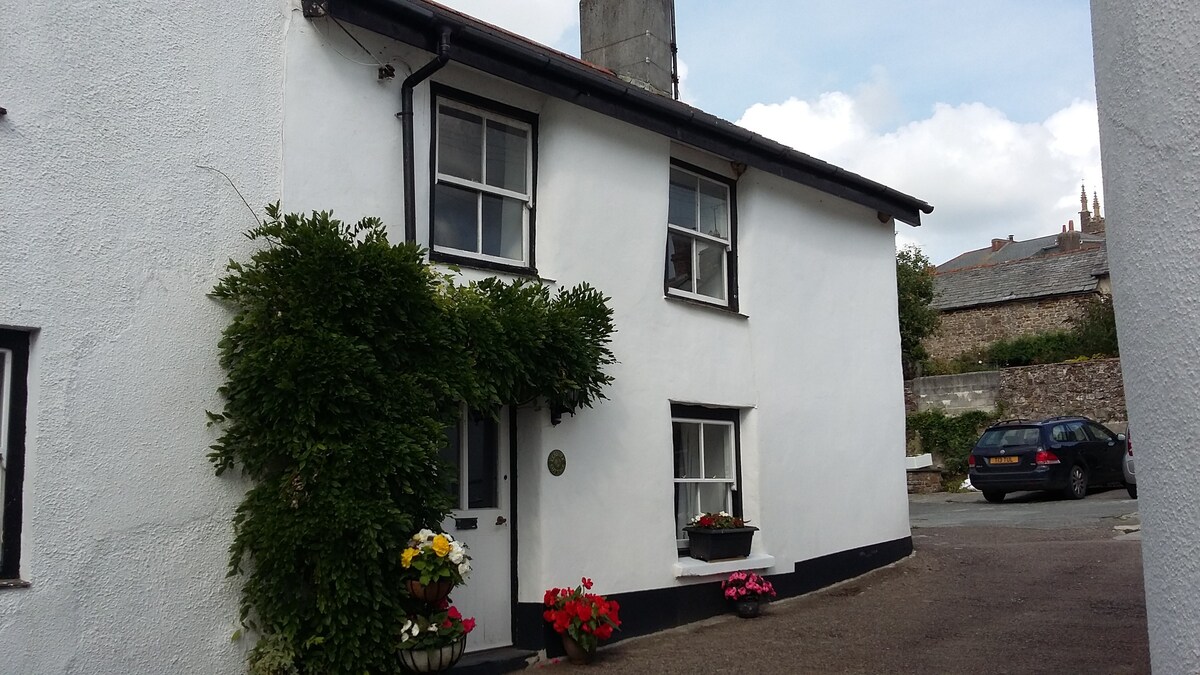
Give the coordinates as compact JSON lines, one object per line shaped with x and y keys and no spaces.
{"x":1003,"y":460}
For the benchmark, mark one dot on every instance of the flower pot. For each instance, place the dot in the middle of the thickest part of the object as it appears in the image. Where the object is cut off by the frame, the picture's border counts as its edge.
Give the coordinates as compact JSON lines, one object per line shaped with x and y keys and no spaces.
{"x":433,"y":660}
{"x":575,"y":652}
{"x":708,"y":544}
{"x":431,"y":594}
{"x":749,"y":608}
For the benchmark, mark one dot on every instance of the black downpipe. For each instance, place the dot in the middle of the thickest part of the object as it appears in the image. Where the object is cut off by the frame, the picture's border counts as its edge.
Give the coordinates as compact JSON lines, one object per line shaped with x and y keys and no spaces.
{"x":406,"y":121}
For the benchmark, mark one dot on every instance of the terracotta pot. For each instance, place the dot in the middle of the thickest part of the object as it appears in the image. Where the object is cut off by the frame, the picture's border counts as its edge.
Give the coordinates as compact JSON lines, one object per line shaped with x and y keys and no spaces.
{"x":431,"y":594}
{"x":575,"y":652}
{"x":433,"y":660}
{"x":748,"y":609}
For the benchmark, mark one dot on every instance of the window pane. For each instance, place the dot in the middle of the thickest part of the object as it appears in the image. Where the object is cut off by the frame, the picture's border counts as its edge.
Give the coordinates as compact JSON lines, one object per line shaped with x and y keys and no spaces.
{"x":711,"y":277}
{"x":451,"y":454}
{"x":503,"y":227}
{"x":714,"y":209}
{"x":718,"y":453}
{"x":455,"y":218}
{"x":681,"y":209}
{"x":679,"y":261}
{"x":714,"y":497}
{"x":506,"y":156}
{"x":686,"y":505}
{"x":687,"y":449}
{"x":460,"y":144}
{"x":483,"y":463}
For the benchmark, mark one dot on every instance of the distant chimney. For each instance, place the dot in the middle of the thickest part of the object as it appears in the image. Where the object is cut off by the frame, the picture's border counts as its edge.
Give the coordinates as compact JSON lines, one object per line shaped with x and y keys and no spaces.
{"x":633,"y":38}
{"x":1070,"y":239}
{"x":998,"y":244}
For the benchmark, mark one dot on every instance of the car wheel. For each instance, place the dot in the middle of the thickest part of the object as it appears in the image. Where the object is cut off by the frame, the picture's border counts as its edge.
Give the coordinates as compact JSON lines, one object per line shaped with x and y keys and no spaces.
{"x":1132,"y":487}
{"x":993,"y":496}
{"x":1076,"y":483}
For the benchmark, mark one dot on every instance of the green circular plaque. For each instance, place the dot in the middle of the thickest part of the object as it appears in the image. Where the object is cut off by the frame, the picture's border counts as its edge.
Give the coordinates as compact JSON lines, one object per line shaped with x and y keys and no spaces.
{"x":556,"y":462}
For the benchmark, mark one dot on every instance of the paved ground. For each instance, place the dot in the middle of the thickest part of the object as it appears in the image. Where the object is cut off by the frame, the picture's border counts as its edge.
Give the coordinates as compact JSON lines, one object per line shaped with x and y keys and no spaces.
{"x":1061,"y":593}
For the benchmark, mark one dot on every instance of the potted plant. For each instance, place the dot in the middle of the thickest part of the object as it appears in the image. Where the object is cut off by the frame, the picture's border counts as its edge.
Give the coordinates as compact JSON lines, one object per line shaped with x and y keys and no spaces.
{"x":434,"y":642}
{"x":436,"y":564}
{"x":583,"y":619}
{"x":748,"y":591}
{"x":716,"y":536}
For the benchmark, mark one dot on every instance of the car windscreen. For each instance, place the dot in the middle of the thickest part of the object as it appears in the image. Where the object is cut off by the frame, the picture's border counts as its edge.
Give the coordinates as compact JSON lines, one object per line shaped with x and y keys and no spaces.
{"x":1008,"y":437}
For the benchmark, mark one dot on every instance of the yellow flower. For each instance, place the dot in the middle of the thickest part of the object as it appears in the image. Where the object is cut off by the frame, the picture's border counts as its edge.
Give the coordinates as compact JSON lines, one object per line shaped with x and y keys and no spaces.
{"x":441,"y":546}
{"x":407,"y":556}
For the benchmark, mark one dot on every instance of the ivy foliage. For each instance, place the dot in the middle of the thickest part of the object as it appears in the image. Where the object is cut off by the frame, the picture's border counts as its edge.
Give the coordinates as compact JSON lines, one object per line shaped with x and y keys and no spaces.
{"x":347,"y":358}
{"x":950,"y":436}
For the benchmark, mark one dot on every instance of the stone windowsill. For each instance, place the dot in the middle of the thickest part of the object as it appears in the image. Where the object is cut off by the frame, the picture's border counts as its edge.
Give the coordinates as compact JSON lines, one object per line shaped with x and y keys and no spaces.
{"x":13,"y":583}
{"x":690,"y":567}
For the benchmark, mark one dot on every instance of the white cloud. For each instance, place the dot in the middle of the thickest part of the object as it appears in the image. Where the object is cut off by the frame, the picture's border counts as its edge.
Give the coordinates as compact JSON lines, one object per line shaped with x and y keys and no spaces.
{"x":543,"y":21}
{"x":986,"y":175}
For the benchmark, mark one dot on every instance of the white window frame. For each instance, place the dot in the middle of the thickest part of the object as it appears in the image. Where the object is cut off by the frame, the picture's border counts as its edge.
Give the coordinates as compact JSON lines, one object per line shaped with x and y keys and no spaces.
{"x":726,"y":244}
{"x":482,"y":187}
{"x":732,"y":464}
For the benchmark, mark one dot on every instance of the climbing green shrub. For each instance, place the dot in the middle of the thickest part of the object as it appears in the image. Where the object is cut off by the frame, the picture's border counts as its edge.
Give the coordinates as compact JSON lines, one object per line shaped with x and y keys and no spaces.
{"x":949,"y":436}
{"x":346,"y":359}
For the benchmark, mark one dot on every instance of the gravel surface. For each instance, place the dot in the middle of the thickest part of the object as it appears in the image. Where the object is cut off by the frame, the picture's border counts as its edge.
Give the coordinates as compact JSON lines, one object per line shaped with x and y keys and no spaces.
{"x":970,"y":600}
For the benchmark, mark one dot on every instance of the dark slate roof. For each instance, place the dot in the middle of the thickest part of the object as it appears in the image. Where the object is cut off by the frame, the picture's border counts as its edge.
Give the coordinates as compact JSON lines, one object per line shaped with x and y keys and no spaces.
{"x":1014,"y":250}
{"x":492,"y":50}
{"x":1059,"y":274}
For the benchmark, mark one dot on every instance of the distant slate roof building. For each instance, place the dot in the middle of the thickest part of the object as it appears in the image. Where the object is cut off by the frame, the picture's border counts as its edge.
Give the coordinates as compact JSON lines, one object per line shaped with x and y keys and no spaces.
{"x":1020,"y":287}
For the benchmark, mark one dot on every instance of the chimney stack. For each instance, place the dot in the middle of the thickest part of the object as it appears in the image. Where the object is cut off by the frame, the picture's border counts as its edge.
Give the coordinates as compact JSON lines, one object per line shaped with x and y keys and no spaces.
{"x":1070,"y":239}
{"x":633,"y":38}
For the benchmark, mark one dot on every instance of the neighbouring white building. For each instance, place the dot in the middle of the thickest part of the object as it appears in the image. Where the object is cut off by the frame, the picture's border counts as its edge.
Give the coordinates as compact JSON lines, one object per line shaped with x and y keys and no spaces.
{"x":753,"y":288}
{"x":1147,"y":56}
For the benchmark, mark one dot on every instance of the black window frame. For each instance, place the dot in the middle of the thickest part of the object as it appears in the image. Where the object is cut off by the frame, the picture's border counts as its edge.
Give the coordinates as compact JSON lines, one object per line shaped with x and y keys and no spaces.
{"x":439,"y":92}
{"x":715,"y":414}
{"x":731,"y":260}
{"x":18,"y":342}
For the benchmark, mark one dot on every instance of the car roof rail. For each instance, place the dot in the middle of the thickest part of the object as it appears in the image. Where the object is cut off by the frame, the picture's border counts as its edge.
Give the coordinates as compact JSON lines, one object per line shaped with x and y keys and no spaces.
{"x":1063,"y":417}
{"x":1014,"y":420}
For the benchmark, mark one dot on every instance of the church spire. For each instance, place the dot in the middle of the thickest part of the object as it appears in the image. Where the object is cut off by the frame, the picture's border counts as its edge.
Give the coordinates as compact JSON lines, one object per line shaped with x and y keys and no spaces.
{"x":1095,"y":204}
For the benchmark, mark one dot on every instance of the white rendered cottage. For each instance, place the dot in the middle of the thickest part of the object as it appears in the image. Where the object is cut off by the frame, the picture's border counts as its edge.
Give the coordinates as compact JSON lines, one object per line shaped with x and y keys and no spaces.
{"x":753,"y":288}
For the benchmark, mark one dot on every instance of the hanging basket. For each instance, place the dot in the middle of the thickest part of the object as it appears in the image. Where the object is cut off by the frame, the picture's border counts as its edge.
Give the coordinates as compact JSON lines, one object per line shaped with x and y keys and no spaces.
{"x":431,"y":594}
{"x":433,"y":660}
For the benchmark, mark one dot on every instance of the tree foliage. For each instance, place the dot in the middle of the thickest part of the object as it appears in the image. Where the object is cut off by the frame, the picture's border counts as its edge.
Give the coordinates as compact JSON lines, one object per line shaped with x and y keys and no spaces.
{"x":918,"y":320}
{"x":347,"y":358}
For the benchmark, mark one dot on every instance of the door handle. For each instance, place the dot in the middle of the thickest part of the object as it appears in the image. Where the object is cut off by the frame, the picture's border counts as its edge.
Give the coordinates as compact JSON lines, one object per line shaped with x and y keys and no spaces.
{"x":500,"y":520}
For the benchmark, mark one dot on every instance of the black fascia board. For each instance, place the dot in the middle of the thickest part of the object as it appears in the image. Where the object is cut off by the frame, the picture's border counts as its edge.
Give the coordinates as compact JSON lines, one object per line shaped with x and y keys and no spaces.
{"x":510,"y":57}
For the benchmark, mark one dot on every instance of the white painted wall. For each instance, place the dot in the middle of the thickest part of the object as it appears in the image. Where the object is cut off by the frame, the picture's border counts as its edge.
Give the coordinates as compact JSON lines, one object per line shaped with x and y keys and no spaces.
{"x":815,"y":353}
{"x":1147,"y":56}
{"x":110,"y":238}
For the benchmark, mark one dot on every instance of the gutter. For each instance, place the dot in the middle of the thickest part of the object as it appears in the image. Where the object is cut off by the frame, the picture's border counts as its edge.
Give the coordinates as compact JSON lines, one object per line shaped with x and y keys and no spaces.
{"x":511,"y":57}
{"x":406,"y":122}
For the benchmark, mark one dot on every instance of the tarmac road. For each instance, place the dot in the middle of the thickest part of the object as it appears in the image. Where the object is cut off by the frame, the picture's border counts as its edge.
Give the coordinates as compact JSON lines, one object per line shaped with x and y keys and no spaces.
{"x":1060,"y":592}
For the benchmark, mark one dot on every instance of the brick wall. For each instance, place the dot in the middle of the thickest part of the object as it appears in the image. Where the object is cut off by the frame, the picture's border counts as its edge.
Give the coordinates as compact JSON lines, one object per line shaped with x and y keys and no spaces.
{"x":924,"y":481}
{"x":1090,"y":388}
{"x":969,"y":329}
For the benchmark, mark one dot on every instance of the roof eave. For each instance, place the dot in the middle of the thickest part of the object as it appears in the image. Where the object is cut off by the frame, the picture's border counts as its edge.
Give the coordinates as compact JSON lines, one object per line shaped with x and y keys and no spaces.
{"x":491,"y":50}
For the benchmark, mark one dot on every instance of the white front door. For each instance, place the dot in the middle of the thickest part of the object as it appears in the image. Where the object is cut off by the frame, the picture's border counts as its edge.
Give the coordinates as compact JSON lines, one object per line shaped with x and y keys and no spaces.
{"x":479,"y":445}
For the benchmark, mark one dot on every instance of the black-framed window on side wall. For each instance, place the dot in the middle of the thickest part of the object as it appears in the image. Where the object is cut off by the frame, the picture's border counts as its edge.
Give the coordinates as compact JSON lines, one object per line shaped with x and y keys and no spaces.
{"x":483,"y":182}
{"x":14,"y":371}
{"x":701,"y":236}
{"x":707,"y":458}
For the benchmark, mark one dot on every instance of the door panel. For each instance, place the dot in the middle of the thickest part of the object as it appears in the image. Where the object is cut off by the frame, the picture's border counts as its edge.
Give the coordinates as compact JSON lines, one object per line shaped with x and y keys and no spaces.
{"x":479,"y":445}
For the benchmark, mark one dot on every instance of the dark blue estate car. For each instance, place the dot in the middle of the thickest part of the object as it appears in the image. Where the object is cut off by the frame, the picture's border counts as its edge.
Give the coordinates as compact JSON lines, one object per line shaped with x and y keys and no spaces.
{"x":1066,"y":454}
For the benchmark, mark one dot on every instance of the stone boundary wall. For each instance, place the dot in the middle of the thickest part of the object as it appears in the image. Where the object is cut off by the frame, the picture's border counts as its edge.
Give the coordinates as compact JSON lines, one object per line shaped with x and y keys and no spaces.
{"x":965,"y":330}
{"x":1090,"y":388}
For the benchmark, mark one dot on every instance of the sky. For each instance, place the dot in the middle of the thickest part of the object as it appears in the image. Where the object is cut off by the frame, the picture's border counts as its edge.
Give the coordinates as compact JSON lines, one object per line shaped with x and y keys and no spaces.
{"x":984,"y":108}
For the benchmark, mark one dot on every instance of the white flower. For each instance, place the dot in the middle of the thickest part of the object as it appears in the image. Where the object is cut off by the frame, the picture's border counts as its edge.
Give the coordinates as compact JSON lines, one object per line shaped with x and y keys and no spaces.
{"x":425,"y":534}
{"x":407,"y":625}
{"x":432,"y":628}
{"x":456,"y":557}
{"x":464,"y":568}
{"x":416,"y":630}
{"x":723,"y":514}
